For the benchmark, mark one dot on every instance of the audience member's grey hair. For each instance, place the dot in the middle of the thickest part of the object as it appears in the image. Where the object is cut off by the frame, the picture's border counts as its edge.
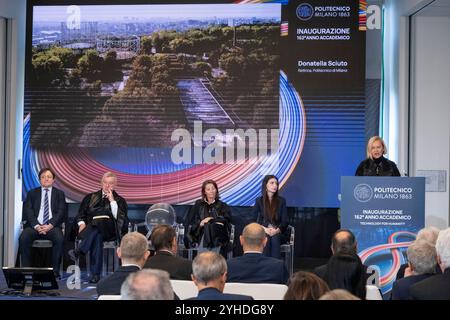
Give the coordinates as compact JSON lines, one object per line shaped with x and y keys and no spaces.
{"x":133,"y":246}
{"x":443,"y":247}
{"x":422,"y":256}
{"x":254,"y":235}
{"x":429,"y":234}
{"x":338,"y":294}
{"x":208,"y":266}
{"x":147,"y":284}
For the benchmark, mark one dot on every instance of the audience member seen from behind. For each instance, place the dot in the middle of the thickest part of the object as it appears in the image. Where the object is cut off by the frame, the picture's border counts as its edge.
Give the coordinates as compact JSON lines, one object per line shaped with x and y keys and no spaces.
{"x":253,"y":266}
{"x":429,"y":234}
{"x":209,"y":273}
{"x":422,"y":264}
{"x":344,"y":271}
{"x":436,"y":287}
{"x":147,"y":284}
{"x":102,"y":217}
{"x":343,"y":241}
{"x":376,"y":164}
{"x":338,"y":294}
{"x":133,"y":252}
{"x":208,"y":222}
{"x":43,"y":213}
{"x":305,"y":286}
{"x":164,"y":240}
{"x":270,"y":211}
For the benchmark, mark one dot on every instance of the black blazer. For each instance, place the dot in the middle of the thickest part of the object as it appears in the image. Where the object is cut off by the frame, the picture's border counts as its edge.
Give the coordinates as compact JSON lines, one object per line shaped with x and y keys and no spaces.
{"x":199,"y":211}
{"x":178,"y":268}
{"x":257,"y":268}
{"x":436,"y":287}
{"x":112,"y":283}
{"x":214,"y":294}
{"x":400,"y":288}
{"x":281,"y":220}
{"x":32,"y":205}
{"x":401,"y":271}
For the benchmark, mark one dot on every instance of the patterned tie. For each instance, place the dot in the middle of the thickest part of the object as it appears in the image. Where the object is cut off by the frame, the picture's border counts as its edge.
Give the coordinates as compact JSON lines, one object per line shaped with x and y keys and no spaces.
{"x":46,"y":211}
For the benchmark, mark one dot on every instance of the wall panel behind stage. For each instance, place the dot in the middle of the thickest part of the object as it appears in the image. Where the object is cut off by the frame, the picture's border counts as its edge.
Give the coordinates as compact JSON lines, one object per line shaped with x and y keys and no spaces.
{"x":127,"y":91}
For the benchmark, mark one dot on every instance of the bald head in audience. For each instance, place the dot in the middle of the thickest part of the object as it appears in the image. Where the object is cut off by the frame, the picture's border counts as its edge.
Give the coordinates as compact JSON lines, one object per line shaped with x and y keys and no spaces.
{"x":253,"y":238}
{"x":343,"y":241}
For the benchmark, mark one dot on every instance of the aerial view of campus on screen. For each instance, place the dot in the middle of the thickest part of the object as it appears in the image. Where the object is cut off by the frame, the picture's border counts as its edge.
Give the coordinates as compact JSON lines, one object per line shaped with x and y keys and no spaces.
{"x":129,"y":75}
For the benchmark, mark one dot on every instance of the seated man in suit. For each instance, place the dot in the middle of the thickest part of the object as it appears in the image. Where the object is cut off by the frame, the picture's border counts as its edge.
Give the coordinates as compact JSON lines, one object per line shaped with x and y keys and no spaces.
{"x":422,"y":264}
{"x":253,"y":266}
{"x":429,"y":234}
{"x":164,"y":240}
{"x":209,"y":273}
{"x":147,"y":284}
{"x":436,"y":287}
{"x":44,"y":210}
{"x":102,"y":217}
{"x":343,"y":241}
{"x":133,"y":252}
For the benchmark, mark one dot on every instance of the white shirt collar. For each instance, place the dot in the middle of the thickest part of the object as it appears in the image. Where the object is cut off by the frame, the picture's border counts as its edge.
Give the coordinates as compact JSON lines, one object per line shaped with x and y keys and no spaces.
{"x":131,"y":264}
{"x":252,"y":252}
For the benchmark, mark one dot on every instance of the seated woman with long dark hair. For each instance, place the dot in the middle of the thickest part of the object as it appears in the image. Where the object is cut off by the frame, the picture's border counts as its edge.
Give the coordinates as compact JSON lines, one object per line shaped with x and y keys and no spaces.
{"x":270,"y":211}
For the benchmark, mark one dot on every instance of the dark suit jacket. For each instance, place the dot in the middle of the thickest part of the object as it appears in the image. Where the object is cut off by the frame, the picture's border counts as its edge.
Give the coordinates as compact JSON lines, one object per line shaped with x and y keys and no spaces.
{"x":32,"y":205}
{"x":214,"y":294}
{"x":400,"y":289}
{"x":112,"y":283}
{"x":178,"y":268}
{"x":436,"y":287}
{"x":281,"y":221}
{"x":257,"y":268}
{"x":401,"y":271}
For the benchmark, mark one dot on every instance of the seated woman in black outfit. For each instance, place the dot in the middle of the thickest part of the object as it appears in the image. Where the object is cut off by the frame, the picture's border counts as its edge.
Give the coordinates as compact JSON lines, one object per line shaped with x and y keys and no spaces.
{"x":376,"y":164}
{"x":208,"y":222}
{"x":271,"y":212}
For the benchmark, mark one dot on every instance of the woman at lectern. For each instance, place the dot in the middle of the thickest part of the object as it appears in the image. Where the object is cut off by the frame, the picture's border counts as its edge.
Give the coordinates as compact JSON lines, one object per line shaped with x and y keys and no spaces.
{"x":376,"y":164}
{"x":270,"y":211}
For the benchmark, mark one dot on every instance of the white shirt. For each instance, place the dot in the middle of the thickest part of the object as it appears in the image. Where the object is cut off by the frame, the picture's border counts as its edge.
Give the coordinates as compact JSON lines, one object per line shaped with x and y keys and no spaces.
{"x":41,"y":209}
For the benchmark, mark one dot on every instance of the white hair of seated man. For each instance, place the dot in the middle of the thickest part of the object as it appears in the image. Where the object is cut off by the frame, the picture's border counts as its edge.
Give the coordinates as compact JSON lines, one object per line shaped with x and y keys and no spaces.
{"x":443,"y":249}
{"x":429,"y":234}
{"x":422,"y":257}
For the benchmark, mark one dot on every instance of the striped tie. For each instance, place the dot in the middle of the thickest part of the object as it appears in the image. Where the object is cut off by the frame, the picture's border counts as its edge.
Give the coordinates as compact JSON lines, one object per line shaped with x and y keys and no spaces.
{"x":46,"y":211}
